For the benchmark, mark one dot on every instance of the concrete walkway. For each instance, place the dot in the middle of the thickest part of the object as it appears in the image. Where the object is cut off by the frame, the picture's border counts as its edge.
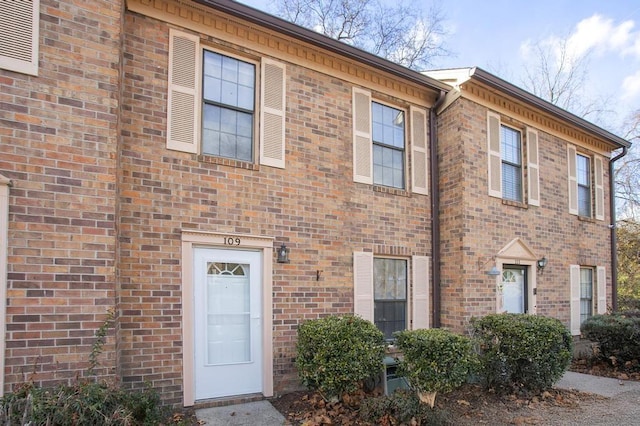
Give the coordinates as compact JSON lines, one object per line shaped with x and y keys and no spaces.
{"x":597,"y":385}
{"x":262,"y":412}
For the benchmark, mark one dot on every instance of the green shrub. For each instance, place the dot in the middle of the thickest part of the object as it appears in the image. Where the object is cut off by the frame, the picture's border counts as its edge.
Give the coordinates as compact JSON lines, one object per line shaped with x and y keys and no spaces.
{"x":617,"y":335}
{"x":434,"y":360}
{"x":401,"y":408}
{"x":336,"y":353}
{"x":84,"y":403}
{"x":521,"y":352}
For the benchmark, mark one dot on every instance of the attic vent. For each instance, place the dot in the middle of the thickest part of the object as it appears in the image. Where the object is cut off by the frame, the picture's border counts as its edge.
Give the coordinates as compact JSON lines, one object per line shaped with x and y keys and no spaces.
{"x":19,"y":35}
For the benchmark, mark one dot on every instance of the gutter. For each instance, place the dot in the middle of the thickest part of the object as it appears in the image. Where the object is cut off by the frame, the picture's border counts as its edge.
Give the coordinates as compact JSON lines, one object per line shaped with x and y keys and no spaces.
{"x":614,"y":238}
{"x":435,"y":209}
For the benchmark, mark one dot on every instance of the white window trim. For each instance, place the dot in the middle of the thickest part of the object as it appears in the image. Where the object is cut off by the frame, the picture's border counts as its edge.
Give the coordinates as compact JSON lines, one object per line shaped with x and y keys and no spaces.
{"x":405,"y":151}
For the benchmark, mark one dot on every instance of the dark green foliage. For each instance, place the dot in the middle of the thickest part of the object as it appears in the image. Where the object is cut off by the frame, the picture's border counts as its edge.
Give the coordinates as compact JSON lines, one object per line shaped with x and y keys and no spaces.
{"x":85,"y":403}
{"x":401,"y":407}
{"x":617,"y":335}
{"x":521,"y":352}
{"x":336,"y":353}
{"x":435,"y":360}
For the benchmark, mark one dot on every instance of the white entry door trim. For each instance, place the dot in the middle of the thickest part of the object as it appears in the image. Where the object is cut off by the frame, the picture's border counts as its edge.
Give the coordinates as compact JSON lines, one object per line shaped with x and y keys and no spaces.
{"x":192,"y":240}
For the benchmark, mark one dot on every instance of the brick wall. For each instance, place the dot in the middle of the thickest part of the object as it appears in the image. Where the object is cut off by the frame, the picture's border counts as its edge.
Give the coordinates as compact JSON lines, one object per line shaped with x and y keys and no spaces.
{"x":476,"y":226}
{"x":58,"y":146}
{"x":312,"y":205}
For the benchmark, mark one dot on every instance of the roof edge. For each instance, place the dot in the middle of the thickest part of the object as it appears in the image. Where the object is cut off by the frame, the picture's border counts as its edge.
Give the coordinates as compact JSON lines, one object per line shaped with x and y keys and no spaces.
{"x":274,"y":23}
{"x":524,"y":96}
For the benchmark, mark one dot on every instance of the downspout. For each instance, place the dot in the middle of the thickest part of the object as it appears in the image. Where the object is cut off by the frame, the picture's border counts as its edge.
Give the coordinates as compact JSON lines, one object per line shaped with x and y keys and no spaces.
{"x":435,"y":209}
{"x":614,"y":239}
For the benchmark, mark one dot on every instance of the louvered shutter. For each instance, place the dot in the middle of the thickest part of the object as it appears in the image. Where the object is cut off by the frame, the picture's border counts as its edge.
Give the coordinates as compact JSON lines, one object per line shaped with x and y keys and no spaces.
{"x":599,"y":177}
{"x":574,"y":280}
{"x":572,"y":179}
{"x":420,"y":156}
{"x":19,"y":35}
{"x":495,"y":157}
{"x":533,"y":170}
{"x":272,"y":114}
{"x":183,"y":102}
{"x":601,"y":276}
{"x":362,"y":145}
{"x":421,"y":308}
{"x":363,"y":285}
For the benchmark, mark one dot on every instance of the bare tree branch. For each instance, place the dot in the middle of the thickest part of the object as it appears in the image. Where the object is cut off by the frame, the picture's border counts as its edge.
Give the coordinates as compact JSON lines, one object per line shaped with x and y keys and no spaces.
{"x":397,"y":32}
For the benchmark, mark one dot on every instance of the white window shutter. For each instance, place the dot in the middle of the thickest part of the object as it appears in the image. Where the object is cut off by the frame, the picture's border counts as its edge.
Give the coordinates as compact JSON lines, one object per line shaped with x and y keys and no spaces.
{"x":363,"y":285}
{"x":183,"y":102}
{"x":495,"y":156}
{"x":599,"y":177}
{"x":421,"y":308}
{"x":601,"y":276}
{"x":572,"y":166}
{"x":272,"y":113}
{"x":574,"y":279}
{"x":362,"y":144}
{"x":420,"y":151}
{"x":533,"y":169}
{"x":20,"y":35}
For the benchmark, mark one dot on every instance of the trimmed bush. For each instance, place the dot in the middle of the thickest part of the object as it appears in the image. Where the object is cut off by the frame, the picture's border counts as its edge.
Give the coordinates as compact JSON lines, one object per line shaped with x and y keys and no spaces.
{"x":617,"y":335}
{"x":336,"y":353}
{"x":521,"y":352}
{"x":401,"y":408}
{"x":434,"y":360}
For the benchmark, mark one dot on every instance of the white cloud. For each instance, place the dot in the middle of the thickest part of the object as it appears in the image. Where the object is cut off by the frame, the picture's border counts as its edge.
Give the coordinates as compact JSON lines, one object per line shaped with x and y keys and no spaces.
{"x":631,"y":86}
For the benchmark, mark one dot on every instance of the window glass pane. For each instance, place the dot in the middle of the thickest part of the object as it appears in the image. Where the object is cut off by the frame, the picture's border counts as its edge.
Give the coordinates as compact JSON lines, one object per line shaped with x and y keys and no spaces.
{"x":583,"y":170}
{"x":584,"y":201}
{"x":511,"y":182}
{"x":229,"y":102}
{"x":586,"y":293}
{"x":390,"y":295}
{"x":511,"y":149}
{"x":388,"y":131}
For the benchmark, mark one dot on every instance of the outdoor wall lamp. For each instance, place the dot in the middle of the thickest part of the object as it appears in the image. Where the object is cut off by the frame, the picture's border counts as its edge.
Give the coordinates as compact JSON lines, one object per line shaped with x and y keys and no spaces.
{"x":541,"y":264}
{"x":283,"y":254}
{"x":494,"y":271}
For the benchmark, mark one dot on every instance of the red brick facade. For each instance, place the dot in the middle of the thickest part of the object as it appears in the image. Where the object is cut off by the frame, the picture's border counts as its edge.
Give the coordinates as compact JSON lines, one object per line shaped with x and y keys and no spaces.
{"x":99,"y":205}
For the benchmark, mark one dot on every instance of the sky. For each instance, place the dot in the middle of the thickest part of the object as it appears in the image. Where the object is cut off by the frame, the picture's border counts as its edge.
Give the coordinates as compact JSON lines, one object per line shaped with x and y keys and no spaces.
{"x":497,"y":35}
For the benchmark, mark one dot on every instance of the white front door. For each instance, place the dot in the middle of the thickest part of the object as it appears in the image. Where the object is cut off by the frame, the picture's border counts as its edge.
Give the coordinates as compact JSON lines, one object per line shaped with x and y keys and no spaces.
{"x":514,"y":289}
{"x":227,"y":322}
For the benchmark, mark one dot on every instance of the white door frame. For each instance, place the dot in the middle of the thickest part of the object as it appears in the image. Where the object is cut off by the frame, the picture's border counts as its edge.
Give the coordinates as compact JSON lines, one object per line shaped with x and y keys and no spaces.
{"x":192,"y":239}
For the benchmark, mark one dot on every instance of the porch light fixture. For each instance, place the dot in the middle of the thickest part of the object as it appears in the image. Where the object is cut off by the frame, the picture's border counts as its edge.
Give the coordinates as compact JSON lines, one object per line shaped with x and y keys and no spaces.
{"x":283,"y":254}
{"x":494,"y":271}
{"x":541,"y":264}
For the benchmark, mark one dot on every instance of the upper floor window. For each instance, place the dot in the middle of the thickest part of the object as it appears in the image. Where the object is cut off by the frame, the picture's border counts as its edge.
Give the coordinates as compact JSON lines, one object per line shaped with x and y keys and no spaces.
{"x":586,"y":184}
{"x":387,"y":142}
{"x":390,"y":295}
{"x":214,"y":104}
{"x":228,"y":107}
{"x":388,"y":145}
{"x":511,"y":159}
{"x":511,"y":148}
